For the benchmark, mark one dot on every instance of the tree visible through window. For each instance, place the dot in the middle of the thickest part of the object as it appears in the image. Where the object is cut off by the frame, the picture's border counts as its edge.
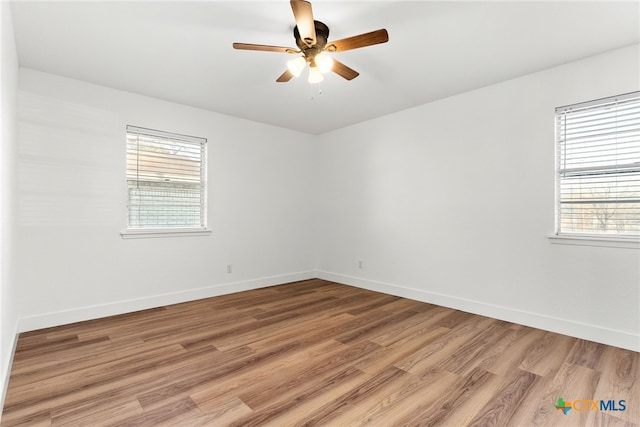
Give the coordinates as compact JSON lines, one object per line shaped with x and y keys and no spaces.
{"x":165,"y":180}
{"x":598,"y":170}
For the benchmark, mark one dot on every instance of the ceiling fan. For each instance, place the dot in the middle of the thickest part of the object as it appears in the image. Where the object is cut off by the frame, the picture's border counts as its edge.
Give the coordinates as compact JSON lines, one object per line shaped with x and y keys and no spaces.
{"x":312,"y":40}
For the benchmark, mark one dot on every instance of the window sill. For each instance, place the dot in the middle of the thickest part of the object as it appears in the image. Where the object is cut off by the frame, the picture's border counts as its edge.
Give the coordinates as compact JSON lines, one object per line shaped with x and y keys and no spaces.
{"x":604,"y":241}
{"x":150,"y":234}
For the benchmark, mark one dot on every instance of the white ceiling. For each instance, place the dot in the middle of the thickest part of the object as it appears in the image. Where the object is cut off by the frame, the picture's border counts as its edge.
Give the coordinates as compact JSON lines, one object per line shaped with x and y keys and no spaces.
{"x":181,"y":51}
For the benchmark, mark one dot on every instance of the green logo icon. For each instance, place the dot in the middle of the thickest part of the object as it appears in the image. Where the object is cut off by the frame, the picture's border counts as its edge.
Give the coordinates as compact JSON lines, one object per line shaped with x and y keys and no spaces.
{"x":563,"y":406}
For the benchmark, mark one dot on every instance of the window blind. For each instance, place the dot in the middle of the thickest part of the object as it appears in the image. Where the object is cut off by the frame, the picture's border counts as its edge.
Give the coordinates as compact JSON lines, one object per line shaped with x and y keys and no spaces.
{"x":165,"y":180}
{"x":598,"y":170}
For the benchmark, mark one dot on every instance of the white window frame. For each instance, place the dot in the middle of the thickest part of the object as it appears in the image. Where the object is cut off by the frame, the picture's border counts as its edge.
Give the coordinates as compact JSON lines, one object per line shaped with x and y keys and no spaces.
{"x":136,"y":231}
{"x":565,"y":171}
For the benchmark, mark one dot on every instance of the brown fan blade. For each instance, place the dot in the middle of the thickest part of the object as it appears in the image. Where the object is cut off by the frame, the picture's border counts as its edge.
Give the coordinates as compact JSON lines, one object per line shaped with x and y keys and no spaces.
{"x":342,"y":70}
{"x":355,"y":42}
{"x":264,"y":48}
{"x":304,"y":21}
{"x":285,"y":77}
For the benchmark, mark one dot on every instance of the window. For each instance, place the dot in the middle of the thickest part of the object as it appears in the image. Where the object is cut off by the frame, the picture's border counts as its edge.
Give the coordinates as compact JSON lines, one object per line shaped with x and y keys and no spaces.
{"x":166,"y":182}
{"x":598,"y":167}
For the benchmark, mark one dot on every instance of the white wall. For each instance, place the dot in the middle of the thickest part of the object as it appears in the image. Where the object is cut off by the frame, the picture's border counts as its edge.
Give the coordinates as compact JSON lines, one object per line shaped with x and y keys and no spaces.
{"x":452,"y":202}
{"x":8,"y":150}
{"x":71,"y":260}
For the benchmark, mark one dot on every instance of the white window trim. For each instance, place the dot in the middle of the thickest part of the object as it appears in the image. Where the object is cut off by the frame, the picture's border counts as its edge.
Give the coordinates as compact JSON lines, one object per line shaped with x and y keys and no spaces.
{"x":600,"y":241}
{"x":148,"y":233}
{"x":171,"y":232}
{"x":577,"y":239}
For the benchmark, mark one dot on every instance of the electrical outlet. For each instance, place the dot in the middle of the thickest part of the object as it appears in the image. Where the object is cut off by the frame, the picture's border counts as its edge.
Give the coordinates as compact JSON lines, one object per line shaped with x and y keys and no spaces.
{"x":229,"y":268}
{"x":360,"y":264}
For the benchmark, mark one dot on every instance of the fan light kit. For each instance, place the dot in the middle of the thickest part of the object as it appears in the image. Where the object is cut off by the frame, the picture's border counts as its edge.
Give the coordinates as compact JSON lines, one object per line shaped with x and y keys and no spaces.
{"x":312,"y":40}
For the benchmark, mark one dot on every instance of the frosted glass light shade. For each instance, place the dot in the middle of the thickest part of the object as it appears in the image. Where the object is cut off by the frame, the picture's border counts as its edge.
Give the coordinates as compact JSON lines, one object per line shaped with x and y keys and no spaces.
{"x":324,"y":62}
{"x":315,"y":76}
{"x":296,"y":65}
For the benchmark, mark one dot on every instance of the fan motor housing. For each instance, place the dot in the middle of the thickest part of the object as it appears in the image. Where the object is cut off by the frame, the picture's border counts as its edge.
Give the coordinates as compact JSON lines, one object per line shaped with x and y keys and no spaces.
{"x":322,"y":35}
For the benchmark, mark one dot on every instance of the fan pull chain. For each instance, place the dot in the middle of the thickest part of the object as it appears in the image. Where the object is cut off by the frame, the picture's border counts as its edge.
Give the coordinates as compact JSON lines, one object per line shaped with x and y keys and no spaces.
{"x":312,"y":87}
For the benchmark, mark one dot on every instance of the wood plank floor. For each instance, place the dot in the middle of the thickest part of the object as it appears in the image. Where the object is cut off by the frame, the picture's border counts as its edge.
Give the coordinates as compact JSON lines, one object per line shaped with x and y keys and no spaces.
{"x":314,"y":353}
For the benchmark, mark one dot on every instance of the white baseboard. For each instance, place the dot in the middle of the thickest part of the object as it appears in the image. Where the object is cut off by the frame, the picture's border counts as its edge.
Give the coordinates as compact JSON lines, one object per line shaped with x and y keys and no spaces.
{"x":571,"y":328}
{"x":103,"y":310}
{"x":6,"y":370}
